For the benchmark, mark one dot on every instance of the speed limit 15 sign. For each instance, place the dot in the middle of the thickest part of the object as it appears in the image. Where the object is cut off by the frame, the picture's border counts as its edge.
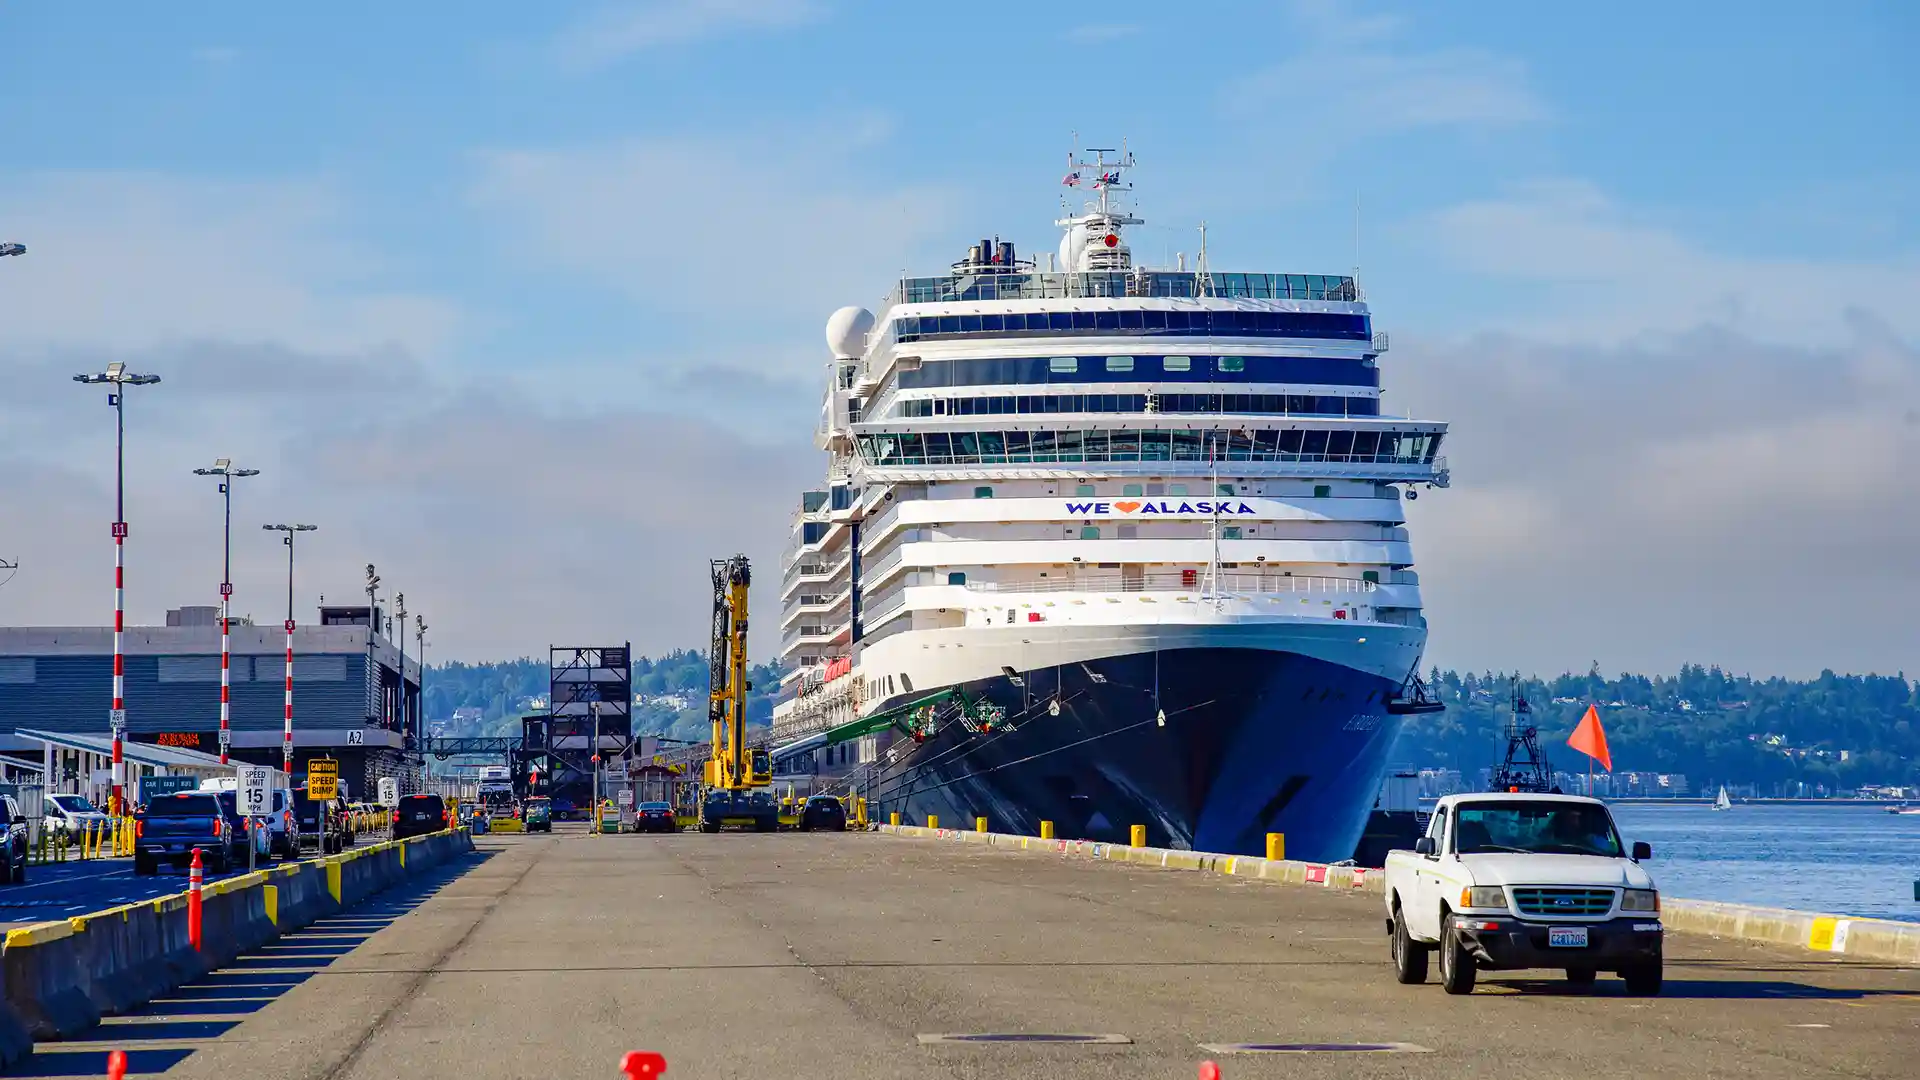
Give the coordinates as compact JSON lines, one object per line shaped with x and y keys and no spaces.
{"x":256,"y":790}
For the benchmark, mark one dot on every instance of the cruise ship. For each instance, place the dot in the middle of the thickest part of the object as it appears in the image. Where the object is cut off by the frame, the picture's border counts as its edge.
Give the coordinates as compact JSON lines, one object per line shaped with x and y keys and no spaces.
{"x":1104,"y":545}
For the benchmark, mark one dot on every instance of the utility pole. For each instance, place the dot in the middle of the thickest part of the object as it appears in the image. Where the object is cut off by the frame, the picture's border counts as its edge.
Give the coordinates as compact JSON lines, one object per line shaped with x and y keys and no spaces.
{"x":374,"y":689}
{"x":286,"y":734}
{"x":119,"y":378}
{"x":223,"y":468}
{"x":400,"y":616}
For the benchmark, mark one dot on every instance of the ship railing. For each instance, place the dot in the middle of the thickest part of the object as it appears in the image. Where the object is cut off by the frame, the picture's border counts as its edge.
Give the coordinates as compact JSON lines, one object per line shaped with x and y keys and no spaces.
{"x":1176,"y":284}
{"x":1197,"y":582}
{"x":879,"y":569}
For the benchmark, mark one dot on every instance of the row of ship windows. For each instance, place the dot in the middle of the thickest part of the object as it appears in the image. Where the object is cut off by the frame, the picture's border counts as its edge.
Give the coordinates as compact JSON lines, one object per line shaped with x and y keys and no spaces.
{"x":1015,"y":405}
{"x":1017,"y":370}
{"x":1134,"y":491}
{"x":992,"y":447}
{"x":1236,"y":323}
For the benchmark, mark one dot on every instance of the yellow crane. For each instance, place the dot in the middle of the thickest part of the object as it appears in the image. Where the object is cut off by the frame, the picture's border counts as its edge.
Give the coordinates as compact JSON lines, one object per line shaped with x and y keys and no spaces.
{"x":737,"y":777}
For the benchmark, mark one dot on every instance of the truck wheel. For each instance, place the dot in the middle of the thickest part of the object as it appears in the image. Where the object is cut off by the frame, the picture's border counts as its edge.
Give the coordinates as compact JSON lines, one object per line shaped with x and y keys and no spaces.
{"x":1643,"y":981}
{"x":1581,"y":977}
{"x":1409,"y":956}
{"x":1457,"y":966}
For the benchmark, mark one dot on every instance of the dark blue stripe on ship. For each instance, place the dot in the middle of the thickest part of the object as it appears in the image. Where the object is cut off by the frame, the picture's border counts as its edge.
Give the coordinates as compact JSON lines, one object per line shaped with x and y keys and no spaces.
{"x":1255,"y":742}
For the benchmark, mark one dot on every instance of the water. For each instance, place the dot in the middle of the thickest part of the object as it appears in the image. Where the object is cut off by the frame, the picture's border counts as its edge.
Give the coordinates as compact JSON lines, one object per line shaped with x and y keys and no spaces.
{"x":1847,"y":860}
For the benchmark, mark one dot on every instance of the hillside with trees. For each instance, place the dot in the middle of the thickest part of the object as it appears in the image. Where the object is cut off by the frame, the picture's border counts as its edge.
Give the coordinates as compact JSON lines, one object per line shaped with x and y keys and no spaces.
{"x":672,"y":689}
{"x":1834,"y":731}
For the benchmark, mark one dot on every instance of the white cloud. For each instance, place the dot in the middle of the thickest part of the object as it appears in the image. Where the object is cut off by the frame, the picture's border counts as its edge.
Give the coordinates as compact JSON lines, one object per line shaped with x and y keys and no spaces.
{"x":768,"y":232}
{"x":1092,"y":33}
{"x":1704,"y":498}
{"x":124,"y":260}
{"x":1348,"y":78}
{"x":1606,"y":273}
{"x":614,"y":32}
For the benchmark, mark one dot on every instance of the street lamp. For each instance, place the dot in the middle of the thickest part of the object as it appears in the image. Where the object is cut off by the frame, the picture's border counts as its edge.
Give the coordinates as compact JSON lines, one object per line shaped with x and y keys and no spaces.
{"x":223,"y":468}
{"x":286,"y":734}
{"x":373,"y":627}
{"x":420,"y":638}
{"x":400,"y":615}
{"x":119,"y":378}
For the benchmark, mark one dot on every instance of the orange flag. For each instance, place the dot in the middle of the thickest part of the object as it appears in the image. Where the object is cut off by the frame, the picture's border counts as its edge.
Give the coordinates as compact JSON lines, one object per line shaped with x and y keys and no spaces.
{"x":1591,"y":739}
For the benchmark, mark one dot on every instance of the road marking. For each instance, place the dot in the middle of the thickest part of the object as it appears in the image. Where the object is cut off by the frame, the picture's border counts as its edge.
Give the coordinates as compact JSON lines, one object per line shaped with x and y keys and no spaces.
{"x":1314,"y":1048}
{"x":1810,"y":1025}
{"x":1026,"y":1037}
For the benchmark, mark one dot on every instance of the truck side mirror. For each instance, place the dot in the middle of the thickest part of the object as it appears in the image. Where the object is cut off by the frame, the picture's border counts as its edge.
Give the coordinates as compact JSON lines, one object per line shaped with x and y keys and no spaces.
{"x":1642,"y":850}
{"x":1423,"y":846}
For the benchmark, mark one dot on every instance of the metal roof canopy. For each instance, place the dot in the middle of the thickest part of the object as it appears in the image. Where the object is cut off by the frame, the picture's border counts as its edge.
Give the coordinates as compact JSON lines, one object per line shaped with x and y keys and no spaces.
{"x":169,"y":757}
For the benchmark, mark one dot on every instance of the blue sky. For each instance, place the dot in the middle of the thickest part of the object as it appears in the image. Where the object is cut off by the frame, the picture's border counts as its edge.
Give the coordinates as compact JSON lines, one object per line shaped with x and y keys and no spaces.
{"x":503,"y":222}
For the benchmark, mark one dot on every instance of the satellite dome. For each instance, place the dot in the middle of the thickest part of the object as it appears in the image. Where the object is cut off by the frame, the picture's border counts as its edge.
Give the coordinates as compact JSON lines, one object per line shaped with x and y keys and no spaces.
{"x":847,"y":331}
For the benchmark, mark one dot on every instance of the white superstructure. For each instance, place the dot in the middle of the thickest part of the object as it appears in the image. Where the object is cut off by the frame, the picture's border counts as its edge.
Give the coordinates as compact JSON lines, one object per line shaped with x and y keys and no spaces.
{"x":1041,"y":467}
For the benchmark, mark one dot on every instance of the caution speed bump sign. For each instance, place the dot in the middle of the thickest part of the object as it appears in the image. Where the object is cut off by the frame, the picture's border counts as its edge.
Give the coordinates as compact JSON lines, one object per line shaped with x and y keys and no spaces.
{"x":323,"y":779}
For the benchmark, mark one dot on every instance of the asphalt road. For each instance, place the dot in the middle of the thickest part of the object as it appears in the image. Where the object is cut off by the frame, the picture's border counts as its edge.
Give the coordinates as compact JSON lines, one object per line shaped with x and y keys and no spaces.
{"x":796,"y":956}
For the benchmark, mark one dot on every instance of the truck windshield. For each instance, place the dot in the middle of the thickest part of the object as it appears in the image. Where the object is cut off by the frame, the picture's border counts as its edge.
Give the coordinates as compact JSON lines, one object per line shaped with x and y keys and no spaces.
{"x":1544,"y":828}
{"x":73,"y":804}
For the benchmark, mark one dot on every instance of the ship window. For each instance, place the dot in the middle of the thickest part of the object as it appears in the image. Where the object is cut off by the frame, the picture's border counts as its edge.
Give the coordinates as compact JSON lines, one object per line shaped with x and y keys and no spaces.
{"x":1084,"y":490}
{"x":1323,"y":491}
{"x":1178,"y":363}
{"x":1119,"y":363}
{"x":1229,"y":532}
{"x":1233,"y":363}
{"x":957,"y":578}
{"x":1176,"y":489}
{"x":1131,"y":491}
{"x":1089,"y":532}
{"x":1370,"y":575}
{"x":983,"y":493}
{"x":1225,"y":489}
{"x":1064,"y":364}
{"x":1127,"y":532}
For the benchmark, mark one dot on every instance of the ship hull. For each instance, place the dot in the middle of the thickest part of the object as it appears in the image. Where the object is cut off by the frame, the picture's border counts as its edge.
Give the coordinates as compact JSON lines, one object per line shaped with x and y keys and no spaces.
{"x":1254,"y":742}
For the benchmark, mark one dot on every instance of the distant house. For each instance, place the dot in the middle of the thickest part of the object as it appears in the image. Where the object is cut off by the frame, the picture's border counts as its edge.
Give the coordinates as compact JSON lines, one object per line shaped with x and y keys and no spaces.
{"x":468,"y":715}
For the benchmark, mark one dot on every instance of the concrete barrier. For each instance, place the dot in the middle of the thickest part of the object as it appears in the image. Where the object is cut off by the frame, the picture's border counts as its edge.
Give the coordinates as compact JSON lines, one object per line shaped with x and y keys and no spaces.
{"x":47,"y":979}
{"x":1868,"y":939}
{"x":58,"y":978}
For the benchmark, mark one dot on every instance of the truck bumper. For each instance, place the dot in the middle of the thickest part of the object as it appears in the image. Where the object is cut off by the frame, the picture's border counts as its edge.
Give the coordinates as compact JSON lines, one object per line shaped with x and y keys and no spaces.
{"x":1517,"y":943}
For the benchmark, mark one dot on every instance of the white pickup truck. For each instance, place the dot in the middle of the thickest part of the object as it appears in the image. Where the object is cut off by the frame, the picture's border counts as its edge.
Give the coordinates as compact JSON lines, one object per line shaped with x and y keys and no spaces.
{"x":1508,"y":880}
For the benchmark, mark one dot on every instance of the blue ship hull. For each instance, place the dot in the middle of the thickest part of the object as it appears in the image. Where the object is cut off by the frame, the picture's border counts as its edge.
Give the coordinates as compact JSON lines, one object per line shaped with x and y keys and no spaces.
{"x":1254,"y":742}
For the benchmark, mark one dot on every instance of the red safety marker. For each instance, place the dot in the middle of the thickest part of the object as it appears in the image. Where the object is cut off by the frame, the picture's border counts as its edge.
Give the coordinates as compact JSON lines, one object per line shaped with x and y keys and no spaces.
{"x":1209,"y":1071}
{"x":116,"y":1065}
{"x":196,"y":876}
{"x":640,"y":1064}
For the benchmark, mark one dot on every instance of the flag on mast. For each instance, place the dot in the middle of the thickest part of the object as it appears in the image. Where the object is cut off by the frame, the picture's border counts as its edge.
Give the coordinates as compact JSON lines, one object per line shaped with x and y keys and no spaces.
{"x":1591,"y":739}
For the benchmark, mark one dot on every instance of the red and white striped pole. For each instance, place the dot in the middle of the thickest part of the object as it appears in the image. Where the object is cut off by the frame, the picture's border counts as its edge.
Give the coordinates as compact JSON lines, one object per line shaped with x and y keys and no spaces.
{"x":286,"y":731}
{"x":224,"y":469}
{"x":118,"y":378}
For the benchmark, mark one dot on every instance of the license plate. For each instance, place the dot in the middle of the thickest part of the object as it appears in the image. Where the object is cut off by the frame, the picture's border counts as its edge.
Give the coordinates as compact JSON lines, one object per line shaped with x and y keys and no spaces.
{"x":1567,"y":937}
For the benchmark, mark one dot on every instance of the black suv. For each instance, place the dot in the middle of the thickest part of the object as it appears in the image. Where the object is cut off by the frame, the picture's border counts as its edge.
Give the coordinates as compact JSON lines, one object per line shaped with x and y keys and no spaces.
{"x":418,"y":815}
{"x":824,"y":812}
{"x":328,"y":818}
{"x":172,"y":826}
{"x":13,"y":835}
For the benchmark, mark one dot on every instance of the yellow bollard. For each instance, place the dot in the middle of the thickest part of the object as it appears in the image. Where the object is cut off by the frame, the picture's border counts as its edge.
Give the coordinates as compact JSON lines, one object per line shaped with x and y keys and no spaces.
{"x":1138,"y":837}
{"x":980,"y":824}
{"x":933,"y":821}
{"x":860,"y":810}
{"x":1046,"y":830}
{"x":1276,"y":846}
{"x":893,"y":819}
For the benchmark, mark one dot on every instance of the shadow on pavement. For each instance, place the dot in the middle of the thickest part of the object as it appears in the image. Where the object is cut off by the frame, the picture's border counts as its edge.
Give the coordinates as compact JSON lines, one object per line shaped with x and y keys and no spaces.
{"x":1721,"y":989}
{"x":245,"y":986}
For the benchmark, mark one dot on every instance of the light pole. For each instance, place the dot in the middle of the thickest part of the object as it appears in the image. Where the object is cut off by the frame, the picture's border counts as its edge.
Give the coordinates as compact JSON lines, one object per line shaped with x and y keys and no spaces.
{"x":223,"y":468}
{"x":420,"y":639}
{"x":286,"y":734}
{"x":374,"y":690}
{"x":119,"y":378}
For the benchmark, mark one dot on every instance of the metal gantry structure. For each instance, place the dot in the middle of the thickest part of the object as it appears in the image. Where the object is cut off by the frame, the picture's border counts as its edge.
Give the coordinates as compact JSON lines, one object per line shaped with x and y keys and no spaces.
{"x":1525,"y":766}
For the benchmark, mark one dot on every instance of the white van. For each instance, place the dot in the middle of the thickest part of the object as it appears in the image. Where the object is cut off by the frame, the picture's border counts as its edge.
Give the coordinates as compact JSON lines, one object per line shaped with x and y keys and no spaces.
{"x":279,"y":819}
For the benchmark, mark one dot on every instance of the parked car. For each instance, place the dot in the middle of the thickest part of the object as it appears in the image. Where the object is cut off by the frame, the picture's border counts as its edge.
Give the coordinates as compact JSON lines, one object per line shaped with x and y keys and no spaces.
{"x":71,"y":815}
{"x":655,"y":817}
{"x":1516,"y":880}
{"x":823,"y":812}
{"x":13,"y":860}
{"x":418,"y":815}
{"x":171,"y":826}
{"x":538,"y":811}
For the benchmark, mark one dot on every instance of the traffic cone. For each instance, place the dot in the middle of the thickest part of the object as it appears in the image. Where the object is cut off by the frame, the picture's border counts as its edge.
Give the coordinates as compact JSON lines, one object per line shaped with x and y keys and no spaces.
{"x":1209,"y":1071}
{"x":117,"y":1065}
{"x":640,"y":1064}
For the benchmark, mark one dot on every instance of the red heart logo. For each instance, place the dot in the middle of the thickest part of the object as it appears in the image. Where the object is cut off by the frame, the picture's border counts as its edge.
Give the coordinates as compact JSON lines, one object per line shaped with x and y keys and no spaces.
{"x":1126,"y":507}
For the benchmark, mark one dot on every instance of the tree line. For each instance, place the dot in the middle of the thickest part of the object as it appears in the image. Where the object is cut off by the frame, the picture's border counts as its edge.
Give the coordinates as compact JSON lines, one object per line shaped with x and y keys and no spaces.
{"x":674,"y":687}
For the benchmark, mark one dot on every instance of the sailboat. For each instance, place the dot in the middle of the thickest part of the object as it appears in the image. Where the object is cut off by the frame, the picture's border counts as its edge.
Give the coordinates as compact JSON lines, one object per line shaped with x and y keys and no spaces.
{"x":1723,"y":803}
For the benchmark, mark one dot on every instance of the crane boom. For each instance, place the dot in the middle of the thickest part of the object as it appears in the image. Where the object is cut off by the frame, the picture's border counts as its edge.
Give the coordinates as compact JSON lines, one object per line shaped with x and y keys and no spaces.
{"x":732,"y":770}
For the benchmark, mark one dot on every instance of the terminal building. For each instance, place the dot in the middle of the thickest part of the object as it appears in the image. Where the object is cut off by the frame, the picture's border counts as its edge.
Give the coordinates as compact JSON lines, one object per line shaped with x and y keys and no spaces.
{"x":353,"y":700}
